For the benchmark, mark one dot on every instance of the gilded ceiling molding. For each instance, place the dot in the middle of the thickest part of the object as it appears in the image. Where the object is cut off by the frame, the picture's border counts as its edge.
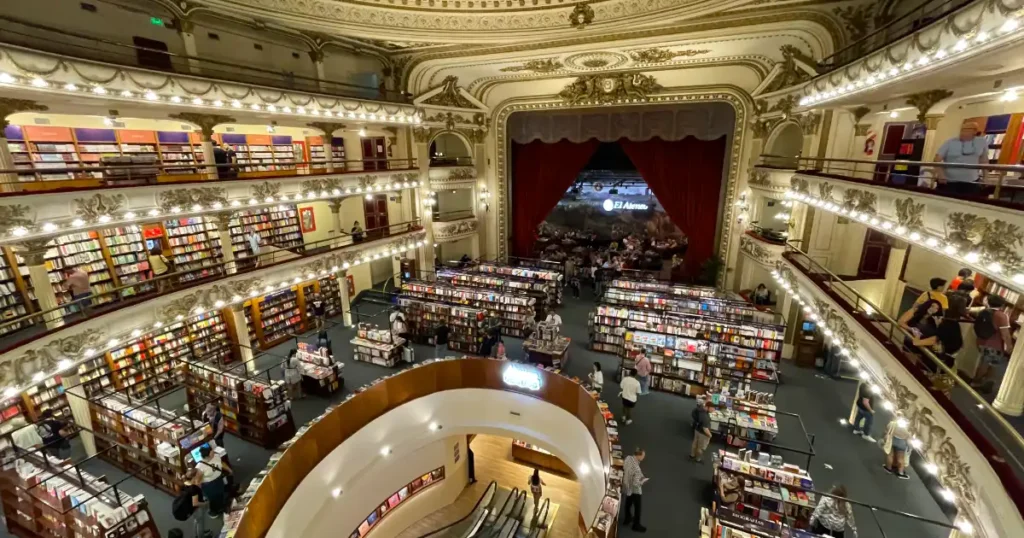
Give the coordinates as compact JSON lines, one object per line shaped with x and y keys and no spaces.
{"x":449,"y":94}
{"x":790,"y":72}
{"x":99,"y":205}
{"x":657,"y":55}
{"x":924,"y":101}
{"x":826,"y":21}
{"x":546,"y":65}
{"x":607,"y":89}
{"x":582,"y":16}
{"x":19,"y":370}
{"x":9,"y":106}
{"x":185,"y":198}
{"x":735,"y":97}
{"x":205,"y":122}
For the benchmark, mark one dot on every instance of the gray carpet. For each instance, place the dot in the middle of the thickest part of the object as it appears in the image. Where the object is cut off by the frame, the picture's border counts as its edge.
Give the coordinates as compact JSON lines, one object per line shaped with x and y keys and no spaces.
{"x":678,"y":488}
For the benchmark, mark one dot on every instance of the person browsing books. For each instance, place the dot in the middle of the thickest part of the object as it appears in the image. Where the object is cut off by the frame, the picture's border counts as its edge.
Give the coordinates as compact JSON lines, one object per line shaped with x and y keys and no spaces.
{"x":643,"y":374}
{"x":596,"y":377}
{"x":701,"y":430}
{"x":967,"y":148}
{"x":441,"y":339}
{"x":629,"y":390}
{"x":832,"y":515}
{"x":213,"y":415}
{"x":633,"y":480}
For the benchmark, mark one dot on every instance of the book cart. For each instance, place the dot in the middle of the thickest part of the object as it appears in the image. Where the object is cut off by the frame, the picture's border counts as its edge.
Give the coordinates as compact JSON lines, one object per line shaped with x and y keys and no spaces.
{"x":378,"y":346}
{"x":255,"y":407}
{"x":320,"y":374}
{"x":138,"y":435}
{"x":515,"y":312}
{"x":43,"y":496}
{"x":422,"y":317}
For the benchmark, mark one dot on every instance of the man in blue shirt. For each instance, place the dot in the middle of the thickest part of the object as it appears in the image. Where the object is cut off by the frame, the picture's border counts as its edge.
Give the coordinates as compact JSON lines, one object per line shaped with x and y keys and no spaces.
{"x":968,"y":148}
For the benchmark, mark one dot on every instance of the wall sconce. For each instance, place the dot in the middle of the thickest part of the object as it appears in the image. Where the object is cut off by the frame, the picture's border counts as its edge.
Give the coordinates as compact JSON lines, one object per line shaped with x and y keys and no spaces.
{"x":429,"y":202}
{"x":742,"y":206}
{"x":485,"y":198}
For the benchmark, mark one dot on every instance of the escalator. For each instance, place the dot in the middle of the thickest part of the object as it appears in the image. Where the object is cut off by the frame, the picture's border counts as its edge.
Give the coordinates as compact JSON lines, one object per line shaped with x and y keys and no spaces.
{"x":538,"y":527}
{"x":508,"y":517}
{"x":471,"y":522}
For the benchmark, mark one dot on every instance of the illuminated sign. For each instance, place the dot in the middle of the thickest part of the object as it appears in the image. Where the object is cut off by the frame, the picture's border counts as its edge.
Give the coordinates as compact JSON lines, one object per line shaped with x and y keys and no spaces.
{"x":619,"y":205}
{"x":523,"y":377}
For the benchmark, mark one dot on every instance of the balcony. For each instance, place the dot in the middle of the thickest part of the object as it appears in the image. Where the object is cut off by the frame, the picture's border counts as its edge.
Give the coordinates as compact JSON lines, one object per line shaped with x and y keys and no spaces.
{"x":454,"y":225}
{"x":452,"y":177}
{"x":958,"y":437}
{"x":131,"y":306}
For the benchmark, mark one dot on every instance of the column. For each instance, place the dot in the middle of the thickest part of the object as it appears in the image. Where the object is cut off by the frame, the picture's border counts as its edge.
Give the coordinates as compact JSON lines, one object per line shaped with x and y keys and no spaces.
{"x":890,"y":302}
{"x":1010,"y":398}
{"x":317,"y":56}
{"x":188,"y":41}
{"x":335,"y":205}
{"x":426,"y":254}
{"x":240,"y":327}
{"x":34,"y":253}
{"x":931,"y":123}
{"x":396,"y":269}
{"x":224,"y":234}
{"x":346,"y":301}
{"x":78,"y":402}
{"x":8,"y":182}
{"x":205,"y":123}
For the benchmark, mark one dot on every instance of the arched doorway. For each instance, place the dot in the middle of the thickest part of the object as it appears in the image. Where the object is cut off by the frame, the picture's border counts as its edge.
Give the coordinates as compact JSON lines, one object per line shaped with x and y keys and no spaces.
{"x":788,"y":142}
{"x":449,"y":149}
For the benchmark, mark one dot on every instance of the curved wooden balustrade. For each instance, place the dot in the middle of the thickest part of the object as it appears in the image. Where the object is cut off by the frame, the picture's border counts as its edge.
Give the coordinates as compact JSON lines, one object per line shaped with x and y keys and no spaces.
{"x":387,"y":394}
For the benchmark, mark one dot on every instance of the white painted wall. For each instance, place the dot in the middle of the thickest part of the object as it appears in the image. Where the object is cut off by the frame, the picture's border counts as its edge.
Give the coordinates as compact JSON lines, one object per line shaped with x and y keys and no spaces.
{"x":366,"y":477}
{"x":454,"y":250}
{"x":924,"y":265}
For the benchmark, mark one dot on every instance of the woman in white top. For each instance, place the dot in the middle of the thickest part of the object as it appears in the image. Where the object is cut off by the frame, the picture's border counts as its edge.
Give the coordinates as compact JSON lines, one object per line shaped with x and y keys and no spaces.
{"x":24,"y":437}
{"x":597,"y":377}
{"x":292,"y":376}
{"x":896,"y":444}
{"x":213,"y":468}
{"x":629,"y":389}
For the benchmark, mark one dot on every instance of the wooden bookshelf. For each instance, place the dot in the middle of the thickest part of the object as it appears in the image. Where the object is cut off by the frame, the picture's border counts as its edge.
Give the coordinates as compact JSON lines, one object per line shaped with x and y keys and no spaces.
{"x":277,"y":226}
{"x":272,"y":318}
{"x":14,"y":302}
{"x":546,"y":292}
{"x":253,"y":410}
{"x":515,"y":312}
{"x":195,"y":248}
{"x":423,"y":317}
{"x":375,"y":345}
{"x":126,"y":251}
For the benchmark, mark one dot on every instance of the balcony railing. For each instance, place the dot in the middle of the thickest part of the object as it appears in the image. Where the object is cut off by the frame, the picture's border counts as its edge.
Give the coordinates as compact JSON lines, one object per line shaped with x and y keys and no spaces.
{"x":452,"y":216}
{"x":998,"y":440}
{"x":73,"y":178}
{"x":927,"y":12}
{"x":39,"y":324}
{"x":59,"y":41}
{"x":998,"y":185}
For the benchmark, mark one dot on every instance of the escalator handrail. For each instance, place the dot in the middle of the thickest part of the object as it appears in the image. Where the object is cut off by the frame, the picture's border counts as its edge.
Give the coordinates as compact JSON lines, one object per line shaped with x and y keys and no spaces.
{"x":518,"y":499}
{"x":511,"y":496}
{"x":491,"y":488}
{"x":540,"y":515}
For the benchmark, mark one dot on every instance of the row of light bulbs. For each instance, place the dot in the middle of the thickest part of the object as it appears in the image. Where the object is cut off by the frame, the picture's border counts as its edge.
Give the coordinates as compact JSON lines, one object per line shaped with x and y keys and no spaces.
{"x":50,"y":228}
{"x":199,"y":310}
{"x":865,"y":376}
{"x":993,"y":267}
{"x":880,"y":76}
{"x":151,"y":96}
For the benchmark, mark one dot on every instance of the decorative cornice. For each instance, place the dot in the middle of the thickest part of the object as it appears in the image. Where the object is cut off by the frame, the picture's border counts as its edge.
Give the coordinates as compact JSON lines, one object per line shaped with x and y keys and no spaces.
{"x":47,"y":358}
{"x":546,"y":65}
{"x":262,"y":191}
{"x":99,"y":205}
{"x":449,"y":95}
{"x":450,"y":231}
{"x":10,"y":106}
{"x":14,"y":216}
{"x":657,"y":55}
{"x":611,"y":88}
{"x":924,"y":101}
{"x":909,"y":214}
{"x":205,"y":122}
{"x":184,"y":198}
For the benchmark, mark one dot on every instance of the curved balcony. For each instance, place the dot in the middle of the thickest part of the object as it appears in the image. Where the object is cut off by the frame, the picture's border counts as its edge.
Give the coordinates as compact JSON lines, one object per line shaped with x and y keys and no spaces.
{"x":959,"y":437}
{"x":304,"y":469}
{"x":137,"y":306}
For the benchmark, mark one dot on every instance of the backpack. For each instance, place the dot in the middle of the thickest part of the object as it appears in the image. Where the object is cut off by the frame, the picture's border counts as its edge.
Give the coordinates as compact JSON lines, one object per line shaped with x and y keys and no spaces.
{"x":182,"y":508}
{"x":984,"y":325}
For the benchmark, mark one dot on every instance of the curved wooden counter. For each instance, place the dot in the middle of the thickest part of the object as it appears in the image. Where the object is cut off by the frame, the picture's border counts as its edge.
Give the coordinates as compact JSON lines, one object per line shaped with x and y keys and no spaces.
{"x":338,"y":424}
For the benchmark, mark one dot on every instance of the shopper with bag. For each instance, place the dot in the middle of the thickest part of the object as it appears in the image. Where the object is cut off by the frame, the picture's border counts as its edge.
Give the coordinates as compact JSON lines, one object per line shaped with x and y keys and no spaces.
{"x":190,"y":502}
{"x":832,"y":515}
{"x":629,"y":390}
{"x":995,"y":343}
{"x":213,"y":468}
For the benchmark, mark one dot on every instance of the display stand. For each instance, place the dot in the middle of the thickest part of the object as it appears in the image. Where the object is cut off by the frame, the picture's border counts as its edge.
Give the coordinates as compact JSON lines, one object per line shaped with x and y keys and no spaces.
{"x":255,"y":410}
{"x":536,"y":456}
{"x":546,"y":347}
{"x":423,"y":317}
{"x":320,"y":374}
{"x":134,"y":437}
{"x":377,"y":346}
{"x":741,"y":420}
{"x":38,"y":503}
{"x":767,"y":490}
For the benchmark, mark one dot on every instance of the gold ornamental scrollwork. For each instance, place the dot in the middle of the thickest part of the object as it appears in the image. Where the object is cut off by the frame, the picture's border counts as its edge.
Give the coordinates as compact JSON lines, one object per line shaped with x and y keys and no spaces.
{"x":21,"y":369}
{"x":321,"y":185}
{"x":99,"y":205}
{"x":14,"y":216}
{"x":546,"y":65}
{"x":582,"y":16}
{"x":603,"y":89}
{"x":657,"y":55}
{"x":860,"y":201}
{"x":185,"y":198}
{"x":262,"y":191}
{"x":799,"y":185}
{"x":450,"y":95}
{"x":909,"y":214}
{"x":759,"y":177}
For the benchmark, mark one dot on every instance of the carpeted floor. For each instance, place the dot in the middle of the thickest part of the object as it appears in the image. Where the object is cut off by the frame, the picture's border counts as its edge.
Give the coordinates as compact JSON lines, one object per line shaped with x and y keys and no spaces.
{"x":677,"y":488}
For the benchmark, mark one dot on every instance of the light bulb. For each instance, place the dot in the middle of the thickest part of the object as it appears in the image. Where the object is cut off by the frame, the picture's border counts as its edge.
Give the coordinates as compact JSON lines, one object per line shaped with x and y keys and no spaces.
{"x":385,"y":451}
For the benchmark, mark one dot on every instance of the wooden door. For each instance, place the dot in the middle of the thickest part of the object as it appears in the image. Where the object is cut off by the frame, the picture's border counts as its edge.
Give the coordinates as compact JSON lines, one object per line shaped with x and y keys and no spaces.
{"x":374,"y":153}
{"x":875,"y":257}
{"x":376,"y":213}
{"x":892,"y":138}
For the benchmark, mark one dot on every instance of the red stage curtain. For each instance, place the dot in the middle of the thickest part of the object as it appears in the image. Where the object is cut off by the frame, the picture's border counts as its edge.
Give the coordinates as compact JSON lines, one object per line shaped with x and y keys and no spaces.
{"x":686,"y":177}
{"x":541,"y":174}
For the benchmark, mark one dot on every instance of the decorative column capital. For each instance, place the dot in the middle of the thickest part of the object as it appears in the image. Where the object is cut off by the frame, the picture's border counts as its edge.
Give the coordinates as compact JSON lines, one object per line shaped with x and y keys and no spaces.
{"x":316,"y":55}
{"x":924,"y":101}
{"x":335,"y":205}
{"x":10,"y":106}
{"x":33,"y":250}
{"x":931,"y":121}
{"x":205,"y":122}
{"x":184,"y":25}
{"x":327,"y":127}
{"x":861,"y":129}
{"x":221,"y":219}
{"x":859,"y":113}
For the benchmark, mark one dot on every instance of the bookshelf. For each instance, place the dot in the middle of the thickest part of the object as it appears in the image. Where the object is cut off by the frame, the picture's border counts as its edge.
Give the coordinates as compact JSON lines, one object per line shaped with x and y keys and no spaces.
{"x":554,"y":278}
{"x":376,"y":346}
{"x":194,"y":248}
{"x":329,"y":288}
{"x":422,"y":318}
{"x":747,"y":414}
{"x":731,"y":310}
{"x":38,"y":503}
{"x":47,"y":394}
{"x":134,"y":437}
{"x":12,"y":298}
{"x":254,"y":410}
{"x":516,"y":312}
{"x":406,"y":492}
{"x":277,"y":226}
{"x":700,"y":292}
{"x":273,"y":317}
{"x":210,"y":339}
{"x":318,"y":153}
{"x":547,"y":292}
{"x":146,"y":367}
{"x":128,"y":256}
{"x":82,"y":250}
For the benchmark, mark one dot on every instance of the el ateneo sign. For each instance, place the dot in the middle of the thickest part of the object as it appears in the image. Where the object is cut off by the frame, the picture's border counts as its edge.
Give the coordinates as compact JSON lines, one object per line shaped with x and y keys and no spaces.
{"x":619,"y":205}
{"x":524,"y":377}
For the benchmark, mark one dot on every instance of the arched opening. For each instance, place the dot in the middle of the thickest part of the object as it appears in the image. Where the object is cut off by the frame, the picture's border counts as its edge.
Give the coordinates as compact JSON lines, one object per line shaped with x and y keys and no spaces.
{"x":449,"y":149}
{"x":788,"y":143}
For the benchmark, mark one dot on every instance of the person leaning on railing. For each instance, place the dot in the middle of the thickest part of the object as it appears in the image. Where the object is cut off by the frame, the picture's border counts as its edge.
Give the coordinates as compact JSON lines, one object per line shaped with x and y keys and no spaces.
{"x":967,"y":148}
